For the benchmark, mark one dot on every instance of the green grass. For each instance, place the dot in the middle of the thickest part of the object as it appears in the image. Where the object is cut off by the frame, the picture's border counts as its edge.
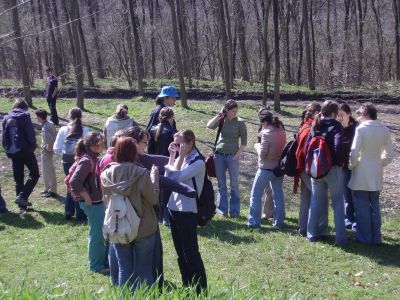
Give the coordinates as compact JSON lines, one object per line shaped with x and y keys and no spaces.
{"x":44,"y":257}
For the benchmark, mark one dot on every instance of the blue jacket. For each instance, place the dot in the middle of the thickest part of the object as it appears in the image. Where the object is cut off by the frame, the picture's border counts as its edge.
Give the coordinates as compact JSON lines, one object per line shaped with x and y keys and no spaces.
{"x":27,"y":142}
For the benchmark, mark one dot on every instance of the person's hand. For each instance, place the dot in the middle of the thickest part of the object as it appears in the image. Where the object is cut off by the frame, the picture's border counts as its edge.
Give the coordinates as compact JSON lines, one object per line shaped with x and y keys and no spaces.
{"x":87,"y":198}
{"x":237,"y":156}
{"x":222,"y":112}
{"x":184,"y":149}
{"x":154,"y":174}
{"x":172,"y":149}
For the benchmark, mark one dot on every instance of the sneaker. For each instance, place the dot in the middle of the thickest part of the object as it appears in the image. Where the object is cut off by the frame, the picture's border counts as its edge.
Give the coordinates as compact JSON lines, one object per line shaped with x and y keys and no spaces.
{"x":22,"y":202}
{"x":104,"y":271}
{"x":43,"y":192}
{"x":50,"y":195}
{"x":253,"y":226}
{"x":354,"y":227}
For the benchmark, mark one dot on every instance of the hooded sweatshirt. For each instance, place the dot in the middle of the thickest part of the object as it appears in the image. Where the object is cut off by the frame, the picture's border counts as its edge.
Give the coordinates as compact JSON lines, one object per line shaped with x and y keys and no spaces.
{"x":113,"y":124}
{"x":25,"y":126}
{"x":132,"y":181}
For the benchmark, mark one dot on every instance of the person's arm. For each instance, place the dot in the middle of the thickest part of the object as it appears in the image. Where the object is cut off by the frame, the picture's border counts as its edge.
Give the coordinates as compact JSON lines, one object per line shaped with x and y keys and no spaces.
{"x":151,"y":190}
{"x":77,"y":180}
{"x":214,"y":122}
{"x":147,"y":160}
{"x":355,"y":149}
{"x":177,"y":187}
{"x":387,"y":155}
{"x":243,"y":140}
{"x":186,"y":173}
{"x":265,"y":145}
{"x":59,"y":142}
{"x":55,"y":91}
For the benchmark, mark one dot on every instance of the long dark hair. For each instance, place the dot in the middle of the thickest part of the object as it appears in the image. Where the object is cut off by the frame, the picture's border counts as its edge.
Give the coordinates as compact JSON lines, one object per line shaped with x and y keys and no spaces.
{"x":91,"y":139}
{"x":76,"y":130}
{"x":309,"y":111}
{"x":165,"y":114}
{"x":264,"y":115}
{"x":328,"y":108}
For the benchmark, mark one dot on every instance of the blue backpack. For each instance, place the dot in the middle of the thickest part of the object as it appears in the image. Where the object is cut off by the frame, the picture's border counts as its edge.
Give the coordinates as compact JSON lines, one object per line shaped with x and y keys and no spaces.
{"x":12,"y":136}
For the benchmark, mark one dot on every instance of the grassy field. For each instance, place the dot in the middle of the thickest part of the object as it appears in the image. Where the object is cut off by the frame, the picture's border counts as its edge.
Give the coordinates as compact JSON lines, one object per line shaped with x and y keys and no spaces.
{"x":42,"y":256}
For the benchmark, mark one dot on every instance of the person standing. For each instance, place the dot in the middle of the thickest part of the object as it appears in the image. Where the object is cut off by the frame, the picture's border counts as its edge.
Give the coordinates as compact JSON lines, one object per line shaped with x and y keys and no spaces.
{"x":49,"y":134}
{"x":166,"y":98}
{"x":51,"y":94}
{"x":371,"y":151}
{"x":19,"y":143}
{"x":227,"y":155}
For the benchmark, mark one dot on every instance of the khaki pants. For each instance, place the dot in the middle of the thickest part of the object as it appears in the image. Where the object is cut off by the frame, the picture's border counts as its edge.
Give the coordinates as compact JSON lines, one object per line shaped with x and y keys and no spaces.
{"x":48,"y":172}
{"x":268,"y":208}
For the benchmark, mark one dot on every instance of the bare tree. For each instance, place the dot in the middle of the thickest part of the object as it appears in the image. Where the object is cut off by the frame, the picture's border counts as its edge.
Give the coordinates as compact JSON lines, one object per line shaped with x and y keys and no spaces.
{"x":240,"y":21}
{"x":224,"y":48}
{"x":277,"y":82}
{"x":311,"y":80}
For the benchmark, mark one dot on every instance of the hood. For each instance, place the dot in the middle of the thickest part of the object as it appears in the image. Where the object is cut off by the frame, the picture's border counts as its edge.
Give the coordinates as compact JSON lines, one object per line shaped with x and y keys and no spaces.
{"x":18,"y":113}
{"x":120,"y":178}
{"x":374,"y":123}
{"x":327,"y":124}
{"x":125,"y":122}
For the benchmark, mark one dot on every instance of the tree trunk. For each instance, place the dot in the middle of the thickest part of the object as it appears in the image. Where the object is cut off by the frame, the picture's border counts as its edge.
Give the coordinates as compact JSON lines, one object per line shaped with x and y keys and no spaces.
{"x":85,"y":53}
{"x":20,"y":52}
{"x":138,"y":46}
{"x":231,"y":60}
{"x":259,"y":33}
{"x":362,"y":9}
{"x":314,"y":49}
{"x":152,"y":40}
{"x":37,"y":41}
{"x":93,"y":6}
{"x":379,"y":37}
{"x":301,"y":52}
{"x":224,"y":48}
{"x":241,"y":29}
{"x":129,"y":43}
{"x":287,"y":45}
{"x":178,"y":54}
{"x":277,"y":82}
{"x":311,"y":82}
{"x":329,"y":39}
{"x":196,"y":56}
{"x":59,"y":40}
{"x":74,"y":13}
{"x":266,"y":68}
{"x":345,"y":53}
{"x":181,"y":18}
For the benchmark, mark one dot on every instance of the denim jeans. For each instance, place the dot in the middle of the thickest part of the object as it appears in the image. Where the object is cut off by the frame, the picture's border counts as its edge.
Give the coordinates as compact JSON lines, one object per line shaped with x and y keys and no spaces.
{"x":348,"y":199}
{"x":20,"y":160}
{"x":162,"y":214}
{"x":262,"y":179}
{"x":222,"y":164}
{"x":368,"y":217}
{"x":305,"y":200}
{"x":158,"y":266}
{"x":71,"y":206}
{"x":334,"y":182}
{"x":113,"y":263}
{"x":184,"y":235}
{"x":97,"y":249}
{"x":136,"y":262}
{"x":51,"y":101}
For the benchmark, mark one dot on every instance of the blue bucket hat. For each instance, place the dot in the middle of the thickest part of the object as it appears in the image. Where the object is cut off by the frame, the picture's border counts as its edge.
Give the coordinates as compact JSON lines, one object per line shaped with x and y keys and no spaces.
{"x":168,"y":91}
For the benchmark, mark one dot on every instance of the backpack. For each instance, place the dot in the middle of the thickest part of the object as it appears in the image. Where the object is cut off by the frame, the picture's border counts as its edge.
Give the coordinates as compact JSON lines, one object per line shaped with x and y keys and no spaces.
{"x":71,"y":172}
{"x":287,"y":161}
{"x":318,"y":158}
{"x":206,"y":202}
{"x":12,"y":136}
{"x":121,"y":222}
{"x":68,"y":150}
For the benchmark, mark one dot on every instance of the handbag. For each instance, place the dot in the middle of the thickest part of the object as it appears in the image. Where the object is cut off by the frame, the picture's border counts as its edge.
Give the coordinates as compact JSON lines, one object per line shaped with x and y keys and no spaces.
{"x":209,"y":160}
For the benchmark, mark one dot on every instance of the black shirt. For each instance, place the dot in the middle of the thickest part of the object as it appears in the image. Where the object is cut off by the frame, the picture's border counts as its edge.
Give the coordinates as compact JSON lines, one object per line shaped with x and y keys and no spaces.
{"x":51,"y":85}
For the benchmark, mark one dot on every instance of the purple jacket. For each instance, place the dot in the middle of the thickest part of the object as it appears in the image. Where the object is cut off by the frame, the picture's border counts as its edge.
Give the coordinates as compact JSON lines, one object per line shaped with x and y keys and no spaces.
{"x":25,"y":128}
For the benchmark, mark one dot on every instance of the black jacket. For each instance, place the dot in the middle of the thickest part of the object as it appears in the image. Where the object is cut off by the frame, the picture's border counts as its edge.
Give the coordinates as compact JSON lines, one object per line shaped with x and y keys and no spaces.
{"x":347,"y":140}
{"x":166,"y":137}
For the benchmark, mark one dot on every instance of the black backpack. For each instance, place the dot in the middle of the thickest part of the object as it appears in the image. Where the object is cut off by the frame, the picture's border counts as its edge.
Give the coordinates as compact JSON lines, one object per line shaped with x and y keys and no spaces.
{"x":12,"y":136}
{"x":206,"y":202}
{"x":288,"y":161}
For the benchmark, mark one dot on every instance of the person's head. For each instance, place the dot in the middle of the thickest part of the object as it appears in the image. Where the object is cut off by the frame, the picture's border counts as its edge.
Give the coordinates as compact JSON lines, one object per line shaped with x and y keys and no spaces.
{"x":117,"y":134}
{"x":367,"y":111}
{"x":166,"y":116}
{"x":167,"y":96}
{"x":92,"y":142}
{"x":75,"y":116}
{"x":329,"y":109}
{"x":185,"y":136}
{"x":20,"y":103}
{"x":344,"y":114}
{"x":140,"y":135}
{"x":267,"y":118}
{"x":231,"y":109}
{"x":122,"y":111}
{"x":49,"y":71}
{"x":125,"y":150}
{"x":41,"y":115}
{"x":310,"y":111}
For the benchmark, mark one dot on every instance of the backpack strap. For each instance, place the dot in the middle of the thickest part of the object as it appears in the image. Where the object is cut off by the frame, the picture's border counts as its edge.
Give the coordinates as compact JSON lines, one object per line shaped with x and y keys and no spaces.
{"x":193,"y":179}
{"x":221,"y":123}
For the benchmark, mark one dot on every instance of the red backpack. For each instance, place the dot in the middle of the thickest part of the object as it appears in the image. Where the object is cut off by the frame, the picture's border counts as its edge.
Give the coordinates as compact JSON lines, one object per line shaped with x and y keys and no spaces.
{"x":318,"y":157}
{"x":71,"y":172}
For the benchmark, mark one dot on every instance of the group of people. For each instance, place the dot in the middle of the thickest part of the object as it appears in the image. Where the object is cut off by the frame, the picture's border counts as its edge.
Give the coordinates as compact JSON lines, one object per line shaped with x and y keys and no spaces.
{"x":163,"y":184}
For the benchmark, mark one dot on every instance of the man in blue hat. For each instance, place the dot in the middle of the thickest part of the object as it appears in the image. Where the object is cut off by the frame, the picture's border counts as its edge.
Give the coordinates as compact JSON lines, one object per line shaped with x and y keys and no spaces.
{"x":167,"y":97}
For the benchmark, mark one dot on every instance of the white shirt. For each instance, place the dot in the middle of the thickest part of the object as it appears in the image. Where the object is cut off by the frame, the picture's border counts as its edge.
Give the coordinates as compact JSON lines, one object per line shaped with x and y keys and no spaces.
{"x":61,"y":137}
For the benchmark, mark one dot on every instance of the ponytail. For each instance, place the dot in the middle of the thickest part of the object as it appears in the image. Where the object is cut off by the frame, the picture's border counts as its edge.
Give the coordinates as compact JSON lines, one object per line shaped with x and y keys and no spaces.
{"x":76,"y":130}
{"x":264,"y":115}
{"x":80,"y":148}
{"x":91,"y":139}
{"x":328,"y":108}
{"x":317,"y":122}
{"x":159,"y":130}
{"x":276,"y":122}
{"x":165,"y":114}
{"x":309,"y":111}
{"x":121,"y":111}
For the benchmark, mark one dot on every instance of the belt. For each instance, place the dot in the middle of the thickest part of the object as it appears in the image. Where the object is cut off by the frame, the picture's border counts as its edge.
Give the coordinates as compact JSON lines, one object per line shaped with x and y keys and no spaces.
{"x":223,"y":154}
{"x":93,"y":203}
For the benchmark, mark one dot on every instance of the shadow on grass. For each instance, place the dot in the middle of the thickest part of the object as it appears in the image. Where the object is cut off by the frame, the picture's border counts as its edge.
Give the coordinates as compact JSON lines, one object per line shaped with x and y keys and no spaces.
{"x":52,"y":217}
{"x":25,"y":221}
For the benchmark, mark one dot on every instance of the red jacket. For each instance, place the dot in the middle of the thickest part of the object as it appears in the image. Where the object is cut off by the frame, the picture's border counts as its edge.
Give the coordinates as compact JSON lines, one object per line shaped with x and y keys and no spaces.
{"x":303,"y":133}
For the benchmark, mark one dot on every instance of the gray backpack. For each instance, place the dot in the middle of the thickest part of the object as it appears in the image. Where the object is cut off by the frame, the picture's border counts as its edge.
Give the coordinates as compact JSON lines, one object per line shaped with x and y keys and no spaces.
{"x":68,"y":150}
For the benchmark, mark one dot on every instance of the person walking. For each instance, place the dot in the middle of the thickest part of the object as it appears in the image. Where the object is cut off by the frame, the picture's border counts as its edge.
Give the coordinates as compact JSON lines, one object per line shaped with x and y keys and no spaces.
{"x":227,"y":155}
{"x":51,"y":94}
{"x":371,"y":151}
{"x":49,"y":134}
{"x":19,"y":143}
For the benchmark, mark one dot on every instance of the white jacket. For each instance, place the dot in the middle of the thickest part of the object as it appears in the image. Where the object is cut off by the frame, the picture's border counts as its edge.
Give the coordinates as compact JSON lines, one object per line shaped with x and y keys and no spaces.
{"x":372,"y":149}
{"x":62,"y":136}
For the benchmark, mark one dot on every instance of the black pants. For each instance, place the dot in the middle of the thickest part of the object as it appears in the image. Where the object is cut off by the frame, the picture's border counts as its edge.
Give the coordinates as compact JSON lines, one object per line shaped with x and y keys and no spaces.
{"x":19,"y":161}
{"x":184,"y":234}
{"x":51,"y":101}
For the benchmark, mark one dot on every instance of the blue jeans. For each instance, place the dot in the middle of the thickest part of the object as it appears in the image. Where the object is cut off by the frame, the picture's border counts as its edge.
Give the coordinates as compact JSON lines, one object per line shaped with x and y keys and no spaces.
{"x":368,"y":217}
{"x":158,"y":266}
{"x":113,"y":263}
{"x":305,"y":200}
{"x":71,"y":206}
{"x":97,"y":249}
{"x":222,"y":164}
{"x":334,"y":182}
{"x":136,"y":262}
{"x":184,"y":235}
{"x":348,"y":199}
{"x":263,"y":178}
